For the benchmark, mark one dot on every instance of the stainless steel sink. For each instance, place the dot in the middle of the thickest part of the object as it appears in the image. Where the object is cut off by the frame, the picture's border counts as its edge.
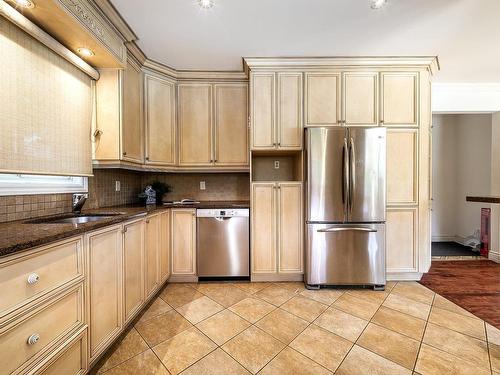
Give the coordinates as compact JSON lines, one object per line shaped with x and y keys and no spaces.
{"x":74,"y":219}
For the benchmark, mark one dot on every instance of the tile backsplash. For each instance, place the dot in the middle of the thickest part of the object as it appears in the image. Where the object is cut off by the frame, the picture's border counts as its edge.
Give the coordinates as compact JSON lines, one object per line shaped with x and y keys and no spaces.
{"x":219,"y":186}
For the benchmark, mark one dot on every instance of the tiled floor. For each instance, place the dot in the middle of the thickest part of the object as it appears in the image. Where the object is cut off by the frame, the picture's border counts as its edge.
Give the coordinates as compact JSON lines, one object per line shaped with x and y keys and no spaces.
{"x":282,"y":328}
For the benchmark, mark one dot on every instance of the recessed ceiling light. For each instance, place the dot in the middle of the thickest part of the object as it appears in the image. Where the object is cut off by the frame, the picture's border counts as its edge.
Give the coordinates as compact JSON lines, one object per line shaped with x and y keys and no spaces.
{"x":25,"y":3}
{"x":377,"y":4}
{"x":86,"y":52}
{"x":206,"y":4}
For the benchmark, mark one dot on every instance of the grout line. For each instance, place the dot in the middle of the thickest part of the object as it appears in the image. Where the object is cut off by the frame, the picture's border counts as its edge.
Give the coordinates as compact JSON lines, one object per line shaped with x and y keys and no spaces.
{"x":423,"y":334}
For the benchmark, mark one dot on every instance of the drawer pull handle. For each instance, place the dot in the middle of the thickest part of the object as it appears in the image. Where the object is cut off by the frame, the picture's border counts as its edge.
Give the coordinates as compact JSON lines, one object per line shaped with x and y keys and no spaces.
{"x":33,"y":278}
{"x":33,"y":339}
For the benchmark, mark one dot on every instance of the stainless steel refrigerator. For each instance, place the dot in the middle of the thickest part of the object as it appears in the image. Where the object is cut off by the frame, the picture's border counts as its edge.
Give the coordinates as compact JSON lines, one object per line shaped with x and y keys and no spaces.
{"x":346,"y":199}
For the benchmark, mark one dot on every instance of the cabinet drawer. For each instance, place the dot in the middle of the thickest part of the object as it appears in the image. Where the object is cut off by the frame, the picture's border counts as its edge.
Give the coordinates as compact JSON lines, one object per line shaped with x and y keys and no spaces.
{"x":33,"y":334}
{"x":28,"y":276}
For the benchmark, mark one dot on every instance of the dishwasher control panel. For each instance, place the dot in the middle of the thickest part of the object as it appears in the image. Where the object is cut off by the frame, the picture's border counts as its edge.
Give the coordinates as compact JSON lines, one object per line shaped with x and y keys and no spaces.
{"x":223,"y":212}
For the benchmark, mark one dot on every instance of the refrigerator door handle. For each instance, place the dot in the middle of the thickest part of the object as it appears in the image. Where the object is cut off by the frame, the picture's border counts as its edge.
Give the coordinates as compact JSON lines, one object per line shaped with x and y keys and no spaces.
{"x":352,"y":172}
{"x":345,"y":175}
{"x":343,"y":229}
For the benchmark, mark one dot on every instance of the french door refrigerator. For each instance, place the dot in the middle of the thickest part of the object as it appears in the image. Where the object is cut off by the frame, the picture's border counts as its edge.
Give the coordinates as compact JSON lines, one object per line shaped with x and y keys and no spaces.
{"x":346,"y":199}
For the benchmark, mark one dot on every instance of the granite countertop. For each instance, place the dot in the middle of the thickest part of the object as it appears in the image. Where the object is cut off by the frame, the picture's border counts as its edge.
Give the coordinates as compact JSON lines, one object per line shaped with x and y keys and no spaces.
{"x":21,"y":235}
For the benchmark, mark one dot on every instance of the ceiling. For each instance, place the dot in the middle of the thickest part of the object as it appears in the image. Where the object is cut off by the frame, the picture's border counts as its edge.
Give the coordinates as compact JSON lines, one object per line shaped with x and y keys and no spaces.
{"x":465,"y":34}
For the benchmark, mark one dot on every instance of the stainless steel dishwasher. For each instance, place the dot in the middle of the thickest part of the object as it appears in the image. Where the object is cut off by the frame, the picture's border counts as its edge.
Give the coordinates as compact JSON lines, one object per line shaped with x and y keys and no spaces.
{"x":223,"y":242}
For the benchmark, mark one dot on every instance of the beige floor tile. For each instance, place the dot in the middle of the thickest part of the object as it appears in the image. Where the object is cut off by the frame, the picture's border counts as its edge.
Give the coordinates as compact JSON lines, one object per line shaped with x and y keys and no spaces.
{"x":325,"y":296}
{"x":223,"y":326}
{"x":400,"y":322}
{"x":293,"y":286}
{"x":390,"y":285}
{"x":275,"y":294}
{"x":445,"y":304}
{"x":177,"y":295}
{"x":493,"y":334}
{"x":341,"y":323}
{"x":361,"y":308}
{"x":131,"y":345}
{"x":322,"y":346}
{"x":183,"y":350}
{"x":290,"y":361}
{"x":145,"y":363}
{"x":216,"y":363}
{"x":304,"y":308}
{"x":407,"y":306}
{"x":252,"y":309}
{"x":227,"y":295}
{"x":251,"y":288}
{"x":495,"y":356}
{"x":463,"y":324}
{"x":253,"y":348}
{"x":390,"y":345}
{"x":361,"y":361}
{"x":162,"y":327}
{"x":432,"y":361}
{"x":414,"y":291}
{"x":199,"y":309}
{"x":282,"y":325}
{"x":158,"y":307}
{"x":374,"y":296}
{"x":467,"y":348}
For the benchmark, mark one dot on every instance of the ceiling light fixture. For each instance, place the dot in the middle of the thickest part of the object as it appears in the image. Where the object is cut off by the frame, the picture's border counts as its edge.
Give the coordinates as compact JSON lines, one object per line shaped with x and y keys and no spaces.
{"x":377,"y":4}
{"x":25,"y":3}
{"x":206,"y":4}
{"x":85,"y":52}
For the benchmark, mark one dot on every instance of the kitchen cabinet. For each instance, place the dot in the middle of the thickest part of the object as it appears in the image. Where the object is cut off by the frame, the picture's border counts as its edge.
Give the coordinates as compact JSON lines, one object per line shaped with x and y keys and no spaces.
{"x":360,"y":98}
{"x":104,"y":287}
{"x":152,"y":254}
{"x":277,"y":228}
{"x":132,"y":132}
{"x":276,"y":111}
{"x":133,"y":267}
{"x":400,"y":92}
{"x":322,"y":98}
{"x":160,"y":120}
{"x":183,"y":234}
{"x":402,"y":240}
{"x":165,"y":245}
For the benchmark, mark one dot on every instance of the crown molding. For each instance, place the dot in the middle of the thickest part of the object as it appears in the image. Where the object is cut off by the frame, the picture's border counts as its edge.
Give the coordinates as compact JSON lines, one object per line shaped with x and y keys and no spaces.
{"x":115,"y":18}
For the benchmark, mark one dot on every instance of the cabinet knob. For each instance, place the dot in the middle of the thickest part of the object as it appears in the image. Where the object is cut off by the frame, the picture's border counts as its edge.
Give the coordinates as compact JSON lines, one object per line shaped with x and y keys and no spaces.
{"x":33,"y":278}
{"x":33,"y":339}
{"x":124,"y":230}
{"x":124,"y":153}
{"x":147,"y":157}
{"x":147,"y":221}
{"x":381,"y":121}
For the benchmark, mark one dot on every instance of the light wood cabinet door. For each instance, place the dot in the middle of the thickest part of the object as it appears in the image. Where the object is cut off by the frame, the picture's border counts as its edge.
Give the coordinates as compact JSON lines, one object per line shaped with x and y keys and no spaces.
{"x":195,"y":124}
{"x":402,"y":166}
{"x":290,"y":227}
{"x":264,"y":240}
{"x":183,"y":241}
{"x":360,"y":98}
{"x":289,"y":104}
{"x":133,"y":267}
{"x":402,"y":237}
{"x":399,"y":98}
{"x":72,"y":360}
{"x":132,"y":132}
{"x":262,"y":111}
{"x":152,"y":254}
{"x":165,"y":245}
{"x":105,"y":287}
{"x":231,"y":125}
{"x":159,"y":101}
{"x":322,"y":98}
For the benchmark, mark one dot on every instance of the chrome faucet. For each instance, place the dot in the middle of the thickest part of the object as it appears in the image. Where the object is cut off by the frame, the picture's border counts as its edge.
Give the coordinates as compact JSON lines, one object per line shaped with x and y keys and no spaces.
{"x":78,"y":202}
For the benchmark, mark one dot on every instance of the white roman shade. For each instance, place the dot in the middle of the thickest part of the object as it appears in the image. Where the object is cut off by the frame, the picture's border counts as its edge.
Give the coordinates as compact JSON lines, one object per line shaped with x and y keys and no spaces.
{"x":46,"y":108}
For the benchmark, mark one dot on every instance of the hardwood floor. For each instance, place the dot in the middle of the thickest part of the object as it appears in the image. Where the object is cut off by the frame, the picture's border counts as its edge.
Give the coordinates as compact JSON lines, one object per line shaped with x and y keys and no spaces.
{"x":473,"y":285}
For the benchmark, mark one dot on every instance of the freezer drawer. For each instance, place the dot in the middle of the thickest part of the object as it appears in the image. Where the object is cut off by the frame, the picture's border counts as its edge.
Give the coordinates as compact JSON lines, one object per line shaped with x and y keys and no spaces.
{"x":345,"y":254}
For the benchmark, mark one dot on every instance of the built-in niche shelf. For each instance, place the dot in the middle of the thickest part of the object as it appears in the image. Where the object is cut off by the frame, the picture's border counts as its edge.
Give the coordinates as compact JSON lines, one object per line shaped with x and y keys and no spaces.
{"x":264,"y":167}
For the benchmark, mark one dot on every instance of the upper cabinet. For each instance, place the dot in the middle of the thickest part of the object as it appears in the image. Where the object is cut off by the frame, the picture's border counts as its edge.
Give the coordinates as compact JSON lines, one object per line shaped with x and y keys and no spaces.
{"x":322,"y":98}
{"x":360,"y":98}
{"x":276,"y":111}
{"x":399,"y":98}
{"x":213,"y":125}
{"x":132,"y":133}
{"x":159,"y":107}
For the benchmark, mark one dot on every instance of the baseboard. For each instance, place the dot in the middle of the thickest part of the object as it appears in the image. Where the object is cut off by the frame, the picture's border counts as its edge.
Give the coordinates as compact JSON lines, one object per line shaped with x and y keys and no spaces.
{"x":404,"y":276}
{"x":494,"y":256}
{"x":443,"y":238}
{"x":261,"y":277}
{"x":183,"y":279}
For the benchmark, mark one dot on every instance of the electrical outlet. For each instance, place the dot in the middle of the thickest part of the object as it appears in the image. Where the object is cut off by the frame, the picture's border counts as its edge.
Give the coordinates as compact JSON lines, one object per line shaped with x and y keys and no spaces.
{"x":202,"y":185}
{"x":276,"y":164}
{"x":118,"y":186}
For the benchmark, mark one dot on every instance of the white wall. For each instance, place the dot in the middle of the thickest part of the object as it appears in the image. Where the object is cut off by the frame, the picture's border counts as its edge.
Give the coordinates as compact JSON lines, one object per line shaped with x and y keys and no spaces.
{"x":461,"y":166}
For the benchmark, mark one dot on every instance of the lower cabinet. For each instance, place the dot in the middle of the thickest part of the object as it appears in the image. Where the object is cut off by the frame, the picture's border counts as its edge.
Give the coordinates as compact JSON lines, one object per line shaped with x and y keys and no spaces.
{"x":277,"y":229}
{"x":402,"y":239}
{"x":152,"y":254}
{"x":165,"y":245}
{"x":104,"y":287}
{"x":183,"y":242}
